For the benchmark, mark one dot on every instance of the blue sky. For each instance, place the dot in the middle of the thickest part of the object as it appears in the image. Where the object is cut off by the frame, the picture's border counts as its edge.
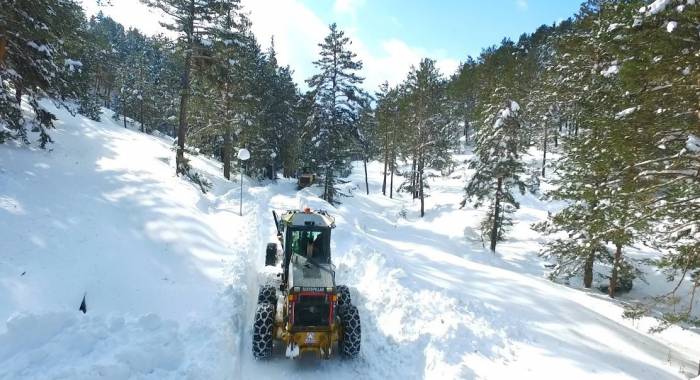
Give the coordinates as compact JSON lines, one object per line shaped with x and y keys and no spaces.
{"x":388,"y":35}
{"x":452,"y":27}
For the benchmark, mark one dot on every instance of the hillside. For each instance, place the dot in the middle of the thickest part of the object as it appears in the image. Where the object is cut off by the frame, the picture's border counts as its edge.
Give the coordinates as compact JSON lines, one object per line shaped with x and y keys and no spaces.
{"x":170,"y":275}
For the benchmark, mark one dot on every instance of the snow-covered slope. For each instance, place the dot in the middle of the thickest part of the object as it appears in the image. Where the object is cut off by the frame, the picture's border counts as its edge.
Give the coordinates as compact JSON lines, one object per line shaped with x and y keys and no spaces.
{"x":170,"y":276}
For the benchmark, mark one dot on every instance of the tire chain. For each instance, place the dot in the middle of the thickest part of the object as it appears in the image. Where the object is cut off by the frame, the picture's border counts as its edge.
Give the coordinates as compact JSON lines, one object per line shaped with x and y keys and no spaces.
{"x":267,"y":294}
{"x":263,"y":330}
{"x":349,"y":345}
{"x":343,"y":295}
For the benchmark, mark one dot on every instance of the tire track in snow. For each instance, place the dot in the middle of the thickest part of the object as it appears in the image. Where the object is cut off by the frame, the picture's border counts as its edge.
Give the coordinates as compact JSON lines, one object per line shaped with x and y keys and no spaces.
{"x":251,"y":257}
{"x":261,"y":232}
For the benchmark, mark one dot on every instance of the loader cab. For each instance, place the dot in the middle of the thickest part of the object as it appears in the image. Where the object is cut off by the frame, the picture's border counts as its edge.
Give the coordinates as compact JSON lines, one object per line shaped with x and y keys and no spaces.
{"x":305,"y":237}
{"x":314,"y":243}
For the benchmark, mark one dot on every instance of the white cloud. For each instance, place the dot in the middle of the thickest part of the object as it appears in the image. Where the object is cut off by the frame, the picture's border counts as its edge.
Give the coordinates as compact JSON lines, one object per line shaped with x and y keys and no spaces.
{"x":394,"y":62}
{"x":298,"y":31}
{"x":522,"y":4}
{"x":347,"y":6}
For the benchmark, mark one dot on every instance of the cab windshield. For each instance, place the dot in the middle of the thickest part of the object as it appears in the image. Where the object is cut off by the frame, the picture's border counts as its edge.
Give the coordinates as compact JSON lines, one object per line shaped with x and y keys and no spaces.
{"x":312,"y":244}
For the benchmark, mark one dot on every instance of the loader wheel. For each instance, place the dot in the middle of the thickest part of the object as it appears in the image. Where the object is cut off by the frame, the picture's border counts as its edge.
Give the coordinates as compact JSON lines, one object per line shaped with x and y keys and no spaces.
{"x":263,"y":328}
{"x":267,"y":294}
{"x":343,"y":295}
{"x":349,"y":344}
{"x":271,"y":254}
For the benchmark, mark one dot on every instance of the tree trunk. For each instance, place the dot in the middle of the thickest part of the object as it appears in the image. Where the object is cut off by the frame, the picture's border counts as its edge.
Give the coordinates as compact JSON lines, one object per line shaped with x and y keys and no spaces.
{"x":420,"y":186}
{"x":466,"y":131}
{"x":544,"y":153}
{"x":615,"y":270}
{"x":227,"y":154}
{"x":108,"y":96}
{"x":180,"y":166}
{"x":143,"y":128}
{"x":496,"y":212}
{"x":588,"y":270}
{"x":18,"y":93}
{"x":414,"y":191}
{"x":386,"y":164}
{"x":366,"y":181}
{"x":391,"y":183}
{"x":97,"y":79}
{"x":124,"y":111}
{"x":3,"y":49}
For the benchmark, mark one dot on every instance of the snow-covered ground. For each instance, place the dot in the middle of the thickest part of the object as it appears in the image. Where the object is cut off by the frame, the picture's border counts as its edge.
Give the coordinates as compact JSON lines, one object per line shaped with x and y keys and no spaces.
{"x":170,"y":277}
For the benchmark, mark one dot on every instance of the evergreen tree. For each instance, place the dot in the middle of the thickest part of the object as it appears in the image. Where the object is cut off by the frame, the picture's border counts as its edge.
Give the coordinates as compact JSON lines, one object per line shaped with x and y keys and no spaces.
{"x":366,"y":135}
{"x":432,"y":133}
{"x":337,"y":100}
{"x":34,"y":62}
{"x":194,"y":21}
{"x":387,"y":119}
{"x":500,"y":140}
{"x":463,"y":92}
{"x":498,"y":166}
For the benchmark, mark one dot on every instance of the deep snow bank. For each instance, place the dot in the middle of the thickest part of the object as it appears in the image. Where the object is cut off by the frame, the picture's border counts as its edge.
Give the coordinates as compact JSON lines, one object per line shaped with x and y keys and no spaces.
{"x":101,"y":213}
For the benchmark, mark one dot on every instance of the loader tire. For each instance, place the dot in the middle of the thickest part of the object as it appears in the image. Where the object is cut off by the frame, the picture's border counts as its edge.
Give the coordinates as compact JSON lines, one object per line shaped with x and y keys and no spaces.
{"x":343,"y":295}
{"x":267,"y":294}
{"x":263,"y":329}
{"x":349,"y":344}
{"x":271,"y":254}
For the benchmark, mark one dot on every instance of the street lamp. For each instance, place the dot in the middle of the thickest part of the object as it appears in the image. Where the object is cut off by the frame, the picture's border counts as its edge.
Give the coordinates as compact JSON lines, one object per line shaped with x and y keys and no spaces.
{"x":243,"y":155}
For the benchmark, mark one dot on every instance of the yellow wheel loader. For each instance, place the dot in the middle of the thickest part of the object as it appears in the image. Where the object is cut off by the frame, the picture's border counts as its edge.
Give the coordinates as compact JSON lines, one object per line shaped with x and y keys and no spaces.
{"x":306,"y":311}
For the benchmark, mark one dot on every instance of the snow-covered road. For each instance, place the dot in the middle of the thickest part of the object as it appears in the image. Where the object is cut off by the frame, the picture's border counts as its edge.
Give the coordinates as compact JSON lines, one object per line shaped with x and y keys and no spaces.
{"x":171,"y":277}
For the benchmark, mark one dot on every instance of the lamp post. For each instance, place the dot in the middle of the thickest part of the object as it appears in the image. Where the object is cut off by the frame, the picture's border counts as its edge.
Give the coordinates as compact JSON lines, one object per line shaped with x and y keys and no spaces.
{"x":243,"y":155}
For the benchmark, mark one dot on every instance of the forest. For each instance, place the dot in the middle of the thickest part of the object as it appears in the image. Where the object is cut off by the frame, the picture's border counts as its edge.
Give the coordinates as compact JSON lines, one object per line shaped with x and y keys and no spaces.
{"x":609,"y":99}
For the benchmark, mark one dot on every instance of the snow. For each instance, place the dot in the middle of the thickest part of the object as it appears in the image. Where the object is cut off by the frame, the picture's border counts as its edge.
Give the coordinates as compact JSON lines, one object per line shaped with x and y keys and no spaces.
{"x":514,"y":106}
{"x":72,"y":64}
{"x":171,"y":276}
{"x":693,"y":143}
{"x":626,"y":112}
{"x":41,"y":48}
{"x":671,"y":26}
{"x":614,"y":26}
{"x":610,"y":71}
{"x":656,"y":7}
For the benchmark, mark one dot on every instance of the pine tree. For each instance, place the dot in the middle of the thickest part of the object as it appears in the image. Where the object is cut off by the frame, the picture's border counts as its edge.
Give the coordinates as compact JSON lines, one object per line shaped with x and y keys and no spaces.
{"x":590,"y":176}
{"x":337,"y":100}
{"x":34,"y":62}
{"x":463,"y":91}
{"x":387,"y":119}
{"x":432,"y":132}
{"x":194,"y":21}
{"x":498,"y":167}
{"x":107,"y":37}
{"x":663,"y":80}
{"x":366,"y":135}
{"x":500,"y":140}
